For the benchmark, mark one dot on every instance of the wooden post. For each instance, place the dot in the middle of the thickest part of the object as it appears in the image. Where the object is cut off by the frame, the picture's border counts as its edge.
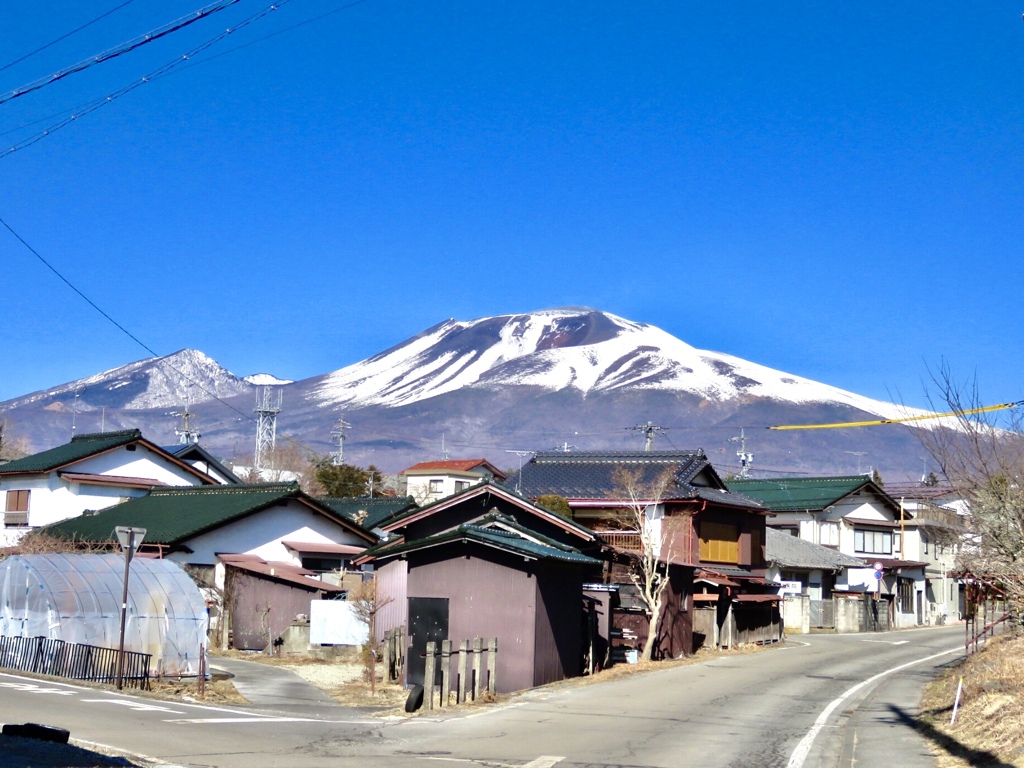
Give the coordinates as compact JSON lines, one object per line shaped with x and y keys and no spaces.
{"x":428,"y":676}
{"x":446,"y":671}
{"x":463,"y":653}
{"x":478,"y":650}
{"x":202,"y":671}
{"x":492,"y":663}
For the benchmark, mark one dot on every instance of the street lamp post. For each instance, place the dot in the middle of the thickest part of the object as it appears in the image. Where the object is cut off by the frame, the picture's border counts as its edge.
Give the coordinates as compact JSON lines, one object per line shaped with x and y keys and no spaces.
{"x":130,"y":539}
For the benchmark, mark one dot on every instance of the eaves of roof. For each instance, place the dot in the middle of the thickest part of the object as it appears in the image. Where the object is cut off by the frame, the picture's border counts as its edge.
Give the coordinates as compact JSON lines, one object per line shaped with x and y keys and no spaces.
{"x":174,"y":514}
{"x":506,"y":541}
{"x":484,"y":488}
{"x":87,"y":445}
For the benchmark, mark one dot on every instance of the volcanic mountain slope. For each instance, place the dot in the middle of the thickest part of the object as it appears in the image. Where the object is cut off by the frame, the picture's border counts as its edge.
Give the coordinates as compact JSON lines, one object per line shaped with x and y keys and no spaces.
{"x":584,"y":350}
{"x":571,"y":376}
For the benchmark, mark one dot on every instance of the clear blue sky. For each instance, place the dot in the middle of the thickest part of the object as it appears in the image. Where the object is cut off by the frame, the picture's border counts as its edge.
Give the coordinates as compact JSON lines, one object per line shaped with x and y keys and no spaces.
{"x":833,"y":190}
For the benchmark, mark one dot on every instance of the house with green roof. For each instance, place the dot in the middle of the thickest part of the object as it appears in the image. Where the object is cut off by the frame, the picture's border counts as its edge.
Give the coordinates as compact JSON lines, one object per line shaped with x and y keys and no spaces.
{"x":92,"y":471}
{"x":272,"y":541}
{"x":853,"y":515}
{"x":194,"y":526}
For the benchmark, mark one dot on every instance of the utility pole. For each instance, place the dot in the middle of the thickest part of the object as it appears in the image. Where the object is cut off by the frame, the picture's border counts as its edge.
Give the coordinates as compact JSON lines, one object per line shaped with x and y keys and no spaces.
{"x":746,"y":459}
{"x":186,"y":435}
{"x":519,"y":476}
{"x":338,"y":435}
{"x":650,"y":430}
{"x":858,"y":454}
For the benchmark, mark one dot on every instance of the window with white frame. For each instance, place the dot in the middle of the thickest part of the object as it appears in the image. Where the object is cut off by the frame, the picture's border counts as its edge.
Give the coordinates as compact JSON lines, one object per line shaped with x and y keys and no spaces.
{"x":830,"y":534}
{"x":436,"y":486}
{"x":872,"y":542}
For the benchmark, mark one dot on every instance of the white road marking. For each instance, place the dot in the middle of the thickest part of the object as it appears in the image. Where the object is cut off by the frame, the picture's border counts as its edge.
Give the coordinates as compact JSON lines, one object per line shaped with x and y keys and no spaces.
{"x":544,"y":761}
{"x":136,"y":705}
{"x":799,"y":756}
{"x":200,"y":720}
{"x":30,"y":688}
{"x":886,"y":642}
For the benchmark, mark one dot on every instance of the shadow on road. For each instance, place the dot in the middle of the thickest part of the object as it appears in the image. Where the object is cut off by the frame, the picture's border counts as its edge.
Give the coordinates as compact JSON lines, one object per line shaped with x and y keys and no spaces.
{"x":975,"y":757}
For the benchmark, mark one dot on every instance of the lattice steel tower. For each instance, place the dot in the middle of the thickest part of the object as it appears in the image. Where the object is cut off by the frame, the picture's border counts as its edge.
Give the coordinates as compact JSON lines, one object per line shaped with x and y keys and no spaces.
{"x":268,"y":405}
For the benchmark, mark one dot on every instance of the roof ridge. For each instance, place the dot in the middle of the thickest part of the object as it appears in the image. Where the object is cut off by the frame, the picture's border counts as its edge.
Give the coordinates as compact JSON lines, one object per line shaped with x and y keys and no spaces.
{"x":127,"y":433}
{"x":236,"y":489}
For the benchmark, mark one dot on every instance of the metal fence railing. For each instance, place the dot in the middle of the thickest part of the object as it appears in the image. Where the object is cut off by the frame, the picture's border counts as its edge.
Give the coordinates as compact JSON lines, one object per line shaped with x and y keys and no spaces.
{"x":75,"y":661}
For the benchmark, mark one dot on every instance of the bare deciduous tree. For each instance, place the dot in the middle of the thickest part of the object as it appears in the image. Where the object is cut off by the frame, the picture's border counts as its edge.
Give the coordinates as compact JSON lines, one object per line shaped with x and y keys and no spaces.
{"x":648,"y":565}
{"x":367,"y":601}
{"x":981,"y":453}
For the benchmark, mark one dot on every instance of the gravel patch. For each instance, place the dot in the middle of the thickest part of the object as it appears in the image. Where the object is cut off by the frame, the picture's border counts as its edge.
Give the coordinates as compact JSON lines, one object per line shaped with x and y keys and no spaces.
{"x":326,"y":676}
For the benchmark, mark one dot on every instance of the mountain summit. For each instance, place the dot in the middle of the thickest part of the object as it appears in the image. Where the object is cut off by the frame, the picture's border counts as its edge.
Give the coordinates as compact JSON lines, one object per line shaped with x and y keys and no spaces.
{"x":569,"y":348}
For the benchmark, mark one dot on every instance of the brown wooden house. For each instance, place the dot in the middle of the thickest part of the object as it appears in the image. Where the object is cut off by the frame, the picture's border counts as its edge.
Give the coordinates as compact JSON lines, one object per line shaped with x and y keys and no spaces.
{"x":487,"y":563}
{"x":712,"y":541}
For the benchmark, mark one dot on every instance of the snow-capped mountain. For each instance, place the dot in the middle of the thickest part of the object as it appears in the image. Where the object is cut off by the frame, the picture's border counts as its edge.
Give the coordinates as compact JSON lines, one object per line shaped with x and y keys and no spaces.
{"x":266,"y":380}
{"x":571,"y":348}
{"x":559,"y":377}
{"x":187,"y":376}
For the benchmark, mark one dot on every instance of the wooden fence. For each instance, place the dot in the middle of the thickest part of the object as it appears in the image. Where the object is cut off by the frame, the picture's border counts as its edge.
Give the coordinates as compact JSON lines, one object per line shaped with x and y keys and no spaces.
{"x":394,"y":654}
{"x":469,"y":682}
{"x":46,"y":656}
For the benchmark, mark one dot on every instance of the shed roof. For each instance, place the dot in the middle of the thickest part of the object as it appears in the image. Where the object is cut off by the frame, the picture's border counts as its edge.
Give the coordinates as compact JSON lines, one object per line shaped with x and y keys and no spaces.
{"x":793,"y":552}
{"x":286,"y":572}
{"x":791,"y":494}
{"x":171,"y":515}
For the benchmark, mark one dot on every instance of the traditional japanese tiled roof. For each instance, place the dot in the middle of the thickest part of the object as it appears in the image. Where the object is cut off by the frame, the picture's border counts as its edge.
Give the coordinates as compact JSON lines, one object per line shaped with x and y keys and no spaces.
{"x":518,"y":542}
{"x":172,"y":515}
{"x":595,"y":475}
{"x":483,"y":489}
{"x":80,"y":447}
{"x":370,"y":513}
{"x":793,"y":552}
{"x":791,"y":494}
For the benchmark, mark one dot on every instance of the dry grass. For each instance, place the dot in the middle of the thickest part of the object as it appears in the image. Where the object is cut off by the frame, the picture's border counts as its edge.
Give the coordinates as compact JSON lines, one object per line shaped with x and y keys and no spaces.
{"x":215,"y":691}
{"x":989,"y":728}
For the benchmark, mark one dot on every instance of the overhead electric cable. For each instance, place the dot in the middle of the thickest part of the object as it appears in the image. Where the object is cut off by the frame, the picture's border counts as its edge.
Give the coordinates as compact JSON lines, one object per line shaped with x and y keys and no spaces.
{"x":119,"y":50}
{"x":65,"y":36}
{"x":878,"y":422}
{"x":96,"y":104}
{"x":272,"y":34}
{"x":116,"y":324}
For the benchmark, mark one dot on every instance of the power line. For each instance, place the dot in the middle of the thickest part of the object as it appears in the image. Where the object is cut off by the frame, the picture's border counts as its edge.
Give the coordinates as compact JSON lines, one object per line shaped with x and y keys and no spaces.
{"x":119,"y":50}
{"x":267,"y":37}
{"x":97,"y":103}
{"x":114,"y":322}
{"x":65,"y":36}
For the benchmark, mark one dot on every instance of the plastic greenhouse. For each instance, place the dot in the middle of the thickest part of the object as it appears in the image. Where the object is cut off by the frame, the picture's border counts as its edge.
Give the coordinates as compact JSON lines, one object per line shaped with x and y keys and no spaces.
{"x":77,"y":599}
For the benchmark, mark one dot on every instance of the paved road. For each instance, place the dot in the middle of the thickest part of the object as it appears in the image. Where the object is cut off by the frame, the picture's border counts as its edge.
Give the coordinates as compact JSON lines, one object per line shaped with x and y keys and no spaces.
{"x":834,"y":701}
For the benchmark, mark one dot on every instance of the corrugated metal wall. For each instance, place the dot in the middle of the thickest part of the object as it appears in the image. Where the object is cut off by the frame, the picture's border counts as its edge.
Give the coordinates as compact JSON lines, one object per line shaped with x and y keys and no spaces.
{"x":559,"y":623}
{"x":391,"y":586}
{"x":262,"y":609}
{"x":486,"y":599}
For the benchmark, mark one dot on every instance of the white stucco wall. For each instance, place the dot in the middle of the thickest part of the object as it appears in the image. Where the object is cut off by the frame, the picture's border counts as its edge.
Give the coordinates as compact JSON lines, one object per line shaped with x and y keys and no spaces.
{"x":261,"y":534}
{"x":53,"y":498}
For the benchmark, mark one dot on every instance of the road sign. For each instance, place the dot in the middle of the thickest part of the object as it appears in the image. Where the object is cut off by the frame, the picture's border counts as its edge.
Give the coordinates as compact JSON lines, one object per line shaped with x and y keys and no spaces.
{"x":878,"y":574}
{"x":130,"y":538}
{"x":878,"y":565}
